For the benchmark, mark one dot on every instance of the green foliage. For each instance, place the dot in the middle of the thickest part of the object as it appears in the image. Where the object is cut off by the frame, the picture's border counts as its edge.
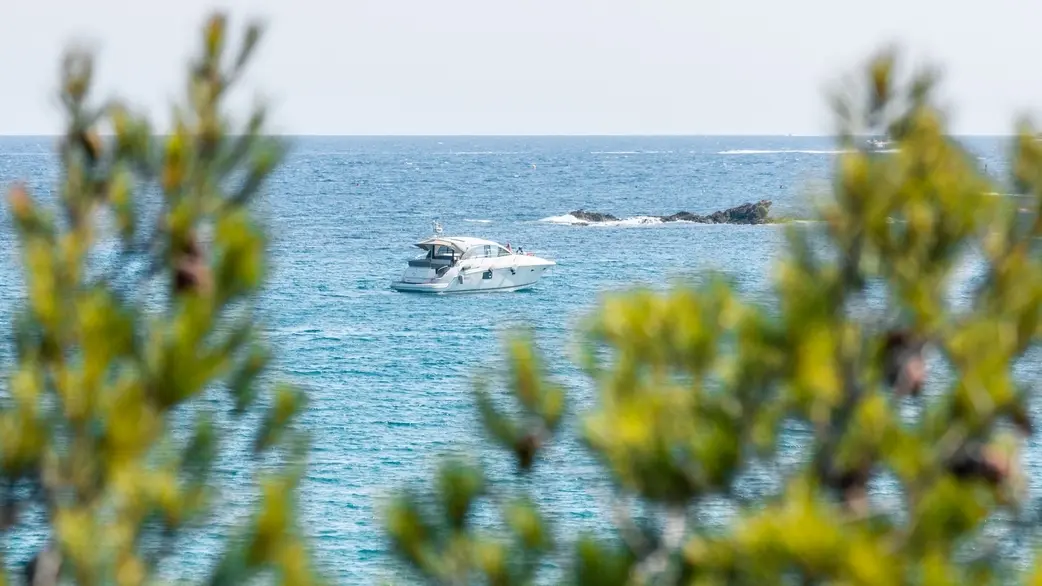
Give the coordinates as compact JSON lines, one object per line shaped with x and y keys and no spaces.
{"x":86,"y":427}
{"x":695,"y":386}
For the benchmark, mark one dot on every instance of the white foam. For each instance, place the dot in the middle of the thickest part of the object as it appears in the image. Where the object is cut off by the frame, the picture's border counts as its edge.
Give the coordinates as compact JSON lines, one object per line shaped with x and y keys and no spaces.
{"x":783,"y":152}
{"x":629,"y":152}
{"x":565,"y":219}
{"x":486,"y":153}
{"x":477,"y":221}
{"x":795,"y":151}
{"x":570,"y":220}
{"x":636,"y":221}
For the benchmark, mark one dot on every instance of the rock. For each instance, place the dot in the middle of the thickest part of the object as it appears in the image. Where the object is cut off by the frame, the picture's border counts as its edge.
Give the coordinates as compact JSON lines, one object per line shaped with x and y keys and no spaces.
{"x":594,"y":217}
{"x":684,"y":217}
{"x":747,"y":213}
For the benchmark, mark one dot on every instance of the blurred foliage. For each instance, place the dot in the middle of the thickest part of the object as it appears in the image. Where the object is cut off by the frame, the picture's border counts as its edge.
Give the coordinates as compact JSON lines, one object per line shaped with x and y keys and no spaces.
{"x":86,"y":428}
{"x":695,"y":386}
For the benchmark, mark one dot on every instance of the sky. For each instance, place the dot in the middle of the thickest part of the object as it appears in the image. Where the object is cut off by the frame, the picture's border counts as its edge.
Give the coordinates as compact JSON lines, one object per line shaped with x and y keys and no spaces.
{"x":480,"y":67}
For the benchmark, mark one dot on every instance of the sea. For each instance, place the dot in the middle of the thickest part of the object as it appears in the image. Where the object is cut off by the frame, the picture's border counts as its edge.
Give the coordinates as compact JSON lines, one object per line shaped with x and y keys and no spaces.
{"x":389,"y":376}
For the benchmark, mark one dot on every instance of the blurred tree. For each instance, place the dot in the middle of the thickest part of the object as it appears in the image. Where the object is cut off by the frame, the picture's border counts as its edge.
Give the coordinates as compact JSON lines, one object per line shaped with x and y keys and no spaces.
{"x":696,"y":386}
{"x":102,"y":370}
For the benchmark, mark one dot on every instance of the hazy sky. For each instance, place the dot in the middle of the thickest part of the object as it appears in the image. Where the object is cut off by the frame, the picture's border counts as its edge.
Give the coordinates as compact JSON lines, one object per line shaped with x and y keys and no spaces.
{"x":538,"y":66}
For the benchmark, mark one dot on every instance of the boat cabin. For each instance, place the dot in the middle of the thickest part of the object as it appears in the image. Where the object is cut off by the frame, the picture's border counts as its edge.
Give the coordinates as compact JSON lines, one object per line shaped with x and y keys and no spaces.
{"x":445,"y":252}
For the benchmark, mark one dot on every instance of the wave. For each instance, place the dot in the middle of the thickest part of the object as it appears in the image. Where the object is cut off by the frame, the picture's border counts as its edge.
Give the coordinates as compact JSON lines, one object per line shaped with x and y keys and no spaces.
{"x":795,"y":151}
{"x":784,"y":152}
{"x":477,"y":221}
{"x":565,"y":219}
{"x":570,"y":220}
{"x":485,"y":153}
{"x":629,"y":152}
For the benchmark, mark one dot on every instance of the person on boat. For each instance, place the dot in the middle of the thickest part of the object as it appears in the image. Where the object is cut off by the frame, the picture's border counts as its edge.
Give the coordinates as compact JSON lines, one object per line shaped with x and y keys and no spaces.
{"x":508,"y":248}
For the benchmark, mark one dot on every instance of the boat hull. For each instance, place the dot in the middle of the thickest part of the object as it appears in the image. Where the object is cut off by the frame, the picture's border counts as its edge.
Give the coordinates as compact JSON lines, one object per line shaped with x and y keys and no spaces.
{"x":435,"y":289}
{"x":478,"y":280}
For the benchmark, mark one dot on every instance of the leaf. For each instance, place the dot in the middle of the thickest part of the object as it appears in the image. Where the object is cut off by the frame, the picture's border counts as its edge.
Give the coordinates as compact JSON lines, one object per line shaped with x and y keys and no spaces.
{"x":458,"y":487}
{"x":288,"y":402}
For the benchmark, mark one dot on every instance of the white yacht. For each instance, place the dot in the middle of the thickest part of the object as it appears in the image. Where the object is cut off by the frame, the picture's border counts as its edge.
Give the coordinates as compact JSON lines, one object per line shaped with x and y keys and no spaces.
{"x":879,"y":144}
{"x":454,"y":264}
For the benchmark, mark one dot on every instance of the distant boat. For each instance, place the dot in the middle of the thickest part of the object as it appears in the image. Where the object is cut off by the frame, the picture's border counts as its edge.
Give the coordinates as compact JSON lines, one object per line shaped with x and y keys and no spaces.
{"x":459,"y":264}
{"x":879,"y":144}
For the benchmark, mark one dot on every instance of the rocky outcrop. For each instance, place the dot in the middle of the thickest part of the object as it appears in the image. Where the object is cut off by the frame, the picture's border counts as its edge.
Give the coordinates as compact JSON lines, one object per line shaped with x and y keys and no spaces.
{"x":747,"y":213}
{"x":593,"y":217}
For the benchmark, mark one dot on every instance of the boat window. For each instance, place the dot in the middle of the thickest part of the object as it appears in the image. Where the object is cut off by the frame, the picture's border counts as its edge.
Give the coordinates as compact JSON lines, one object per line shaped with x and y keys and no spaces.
{"x":503,"y":251}
{"x":483,"y":251}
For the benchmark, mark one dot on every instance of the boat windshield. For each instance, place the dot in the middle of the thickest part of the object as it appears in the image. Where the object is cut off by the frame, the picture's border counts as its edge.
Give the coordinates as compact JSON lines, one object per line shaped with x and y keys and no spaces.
{"x":441,"y":251}
{"x":480,"y":251}
{"x":436,"y":256}
{"x":486,"y":251}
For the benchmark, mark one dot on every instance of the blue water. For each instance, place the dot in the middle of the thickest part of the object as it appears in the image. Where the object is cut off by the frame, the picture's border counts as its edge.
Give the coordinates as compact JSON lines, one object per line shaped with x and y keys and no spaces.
{"x":389,"y":374}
